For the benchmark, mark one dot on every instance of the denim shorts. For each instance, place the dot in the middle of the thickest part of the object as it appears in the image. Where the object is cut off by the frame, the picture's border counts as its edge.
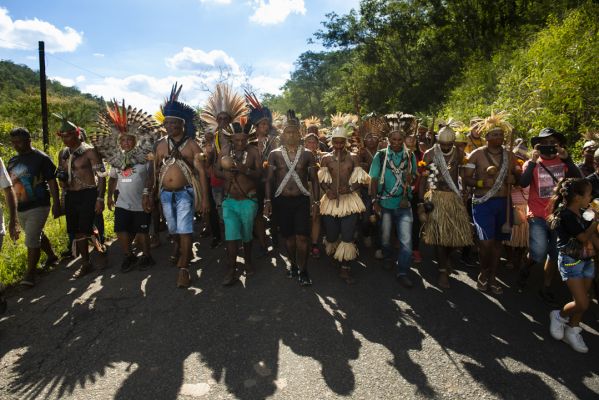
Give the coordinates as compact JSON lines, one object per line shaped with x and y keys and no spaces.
{"x":542,"y":240}
{"x":571,"y":268}
{"x":178,"y":210}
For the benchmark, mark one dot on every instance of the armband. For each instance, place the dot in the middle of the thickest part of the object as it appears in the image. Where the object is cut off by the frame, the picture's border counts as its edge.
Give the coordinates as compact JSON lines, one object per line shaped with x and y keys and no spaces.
{"x":100,"y":170}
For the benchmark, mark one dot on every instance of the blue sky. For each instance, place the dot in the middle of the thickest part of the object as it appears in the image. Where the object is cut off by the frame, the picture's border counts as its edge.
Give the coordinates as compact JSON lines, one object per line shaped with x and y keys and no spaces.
{"x":136,"y":49}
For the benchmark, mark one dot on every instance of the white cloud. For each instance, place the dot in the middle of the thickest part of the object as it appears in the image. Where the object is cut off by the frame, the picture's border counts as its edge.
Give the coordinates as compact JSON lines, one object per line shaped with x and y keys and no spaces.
{"x":64,"y":81}
{"x":80,"y":78}
{"x":24,"y":34}
{"x":99,"y":55}
{"x":272,"y":12}
{"x":190,"y":59}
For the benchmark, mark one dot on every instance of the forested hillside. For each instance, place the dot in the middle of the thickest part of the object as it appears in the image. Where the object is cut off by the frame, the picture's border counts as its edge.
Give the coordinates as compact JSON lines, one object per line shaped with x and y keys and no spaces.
{"x":20,"y":101}
{"x":459,"y":58}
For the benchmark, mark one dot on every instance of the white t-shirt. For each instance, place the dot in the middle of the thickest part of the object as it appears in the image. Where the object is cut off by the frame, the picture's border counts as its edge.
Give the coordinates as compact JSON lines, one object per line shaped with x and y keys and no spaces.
{"x":130,"y":184}
{"x":5,"y":182}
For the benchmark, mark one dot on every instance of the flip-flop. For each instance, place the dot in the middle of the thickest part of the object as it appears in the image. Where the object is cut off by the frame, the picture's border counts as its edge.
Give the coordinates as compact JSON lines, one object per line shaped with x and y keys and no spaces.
{"x":50,"y":262}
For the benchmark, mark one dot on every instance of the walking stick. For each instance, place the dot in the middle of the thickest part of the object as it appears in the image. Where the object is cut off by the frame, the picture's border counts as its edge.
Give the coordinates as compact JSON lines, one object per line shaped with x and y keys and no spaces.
{"x":507,"y":226}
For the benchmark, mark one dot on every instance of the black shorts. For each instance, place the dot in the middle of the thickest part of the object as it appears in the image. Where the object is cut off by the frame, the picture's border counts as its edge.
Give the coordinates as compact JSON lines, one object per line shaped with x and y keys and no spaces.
{"x":80,"y":210}
{"x":131,"y":221}
{"x":292,"y":214}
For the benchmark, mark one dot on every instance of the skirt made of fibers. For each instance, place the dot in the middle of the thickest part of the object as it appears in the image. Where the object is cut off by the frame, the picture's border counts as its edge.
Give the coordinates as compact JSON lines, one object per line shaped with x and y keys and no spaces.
{"x":520,"y":231}
{"x":448,"y":225}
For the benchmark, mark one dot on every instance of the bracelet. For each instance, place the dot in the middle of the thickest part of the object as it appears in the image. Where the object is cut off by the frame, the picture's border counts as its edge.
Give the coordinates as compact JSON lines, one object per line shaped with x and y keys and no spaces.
{"x":316,"y":203}
{"x":480,"y":183}
{"x":100,"y":199}
{"x":266,"y":201}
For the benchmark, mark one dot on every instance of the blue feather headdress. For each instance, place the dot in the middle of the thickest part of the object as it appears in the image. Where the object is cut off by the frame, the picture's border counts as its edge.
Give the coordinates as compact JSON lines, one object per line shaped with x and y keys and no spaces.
{"x":258,"y":112}
{"x":173,"y":108}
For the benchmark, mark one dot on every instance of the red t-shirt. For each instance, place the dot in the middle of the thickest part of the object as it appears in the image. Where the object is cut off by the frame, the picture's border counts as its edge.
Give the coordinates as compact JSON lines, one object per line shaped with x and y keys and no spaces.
{"x":542,"y":185}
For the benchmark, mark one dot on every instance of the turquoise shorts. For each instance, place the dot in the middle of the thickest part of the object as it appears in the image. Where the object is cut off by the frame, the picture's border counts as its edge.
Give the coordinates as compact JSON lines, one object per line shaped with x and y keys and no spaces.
{"x":239,"y":216}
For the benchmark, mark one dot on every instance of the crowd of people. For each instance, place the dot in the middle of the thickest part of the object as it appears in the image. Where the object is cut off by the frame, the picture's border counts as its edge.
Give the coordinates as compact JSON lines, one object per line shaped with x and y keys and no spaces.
{"x":383,"y":182}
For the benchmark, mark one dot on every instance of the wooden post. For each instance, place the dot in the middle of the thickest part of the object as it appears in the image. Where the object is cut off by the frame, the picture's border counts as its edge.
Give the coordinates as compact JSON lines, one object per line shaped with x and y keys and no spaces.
{"x":44,"y":100}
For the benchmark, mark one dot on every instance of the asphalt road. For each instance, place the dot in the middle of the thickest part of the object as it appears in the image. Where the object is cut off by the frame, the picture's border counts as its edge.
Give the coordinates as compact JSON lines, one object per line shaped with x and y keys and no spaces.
{"x":136,"y":336}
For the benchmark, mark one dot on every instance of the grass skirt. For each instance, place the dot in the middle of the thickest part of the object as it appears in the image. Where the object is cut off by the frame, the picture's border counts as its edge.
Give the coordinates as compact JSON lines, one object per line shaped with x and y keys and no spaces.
{"x":350,"y":203}
{"x":519,"y":232}
{"x":448,"y":224}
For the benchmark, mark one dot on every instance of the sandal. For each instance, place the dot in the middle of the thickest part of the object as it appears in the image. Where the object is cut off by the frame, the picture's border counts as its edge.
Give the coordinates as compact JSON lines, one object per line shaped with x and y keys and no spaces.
{"x":184,"y":279}
{"x":481,"y":285}
{"x":84,"y":270}
{"x":50,"y":263}
{"x":496,"y":288}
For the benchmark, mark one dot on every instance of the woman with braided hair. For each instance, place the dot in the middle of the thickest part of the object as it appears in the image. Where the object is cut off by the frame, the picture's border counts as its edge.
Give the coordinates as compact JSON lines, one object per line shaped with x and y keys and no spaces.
{"x":576,"y":238}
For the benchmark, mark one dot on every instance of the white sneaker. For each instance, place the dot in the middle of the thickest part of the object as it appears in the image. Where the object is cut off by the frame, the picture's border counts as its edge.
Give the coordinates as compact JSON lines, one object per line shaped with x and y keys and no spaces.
{"x":556,"y":325}
{"x":378,"y":254}
{"x":573,"y":337}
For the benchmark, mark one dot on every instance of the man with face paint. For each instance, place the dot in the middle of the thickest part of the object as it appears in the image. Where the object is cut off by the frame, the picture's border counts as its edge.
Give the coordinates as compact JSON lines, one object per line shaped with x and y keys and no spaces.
{"x":489,"y":170}
{"x":241,"y":168}
{"x":393,"y":171}
{"x":289,"y":168}
{"x":446,"y":225}
{"x":340,"y":177}
{"x":83,"y":179}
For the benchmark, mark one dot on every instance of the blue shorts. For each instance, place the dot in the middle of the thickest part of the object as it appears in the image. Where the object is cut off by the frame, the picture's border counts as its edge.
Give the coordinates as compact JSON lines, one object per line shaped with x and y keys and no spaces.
{"x":542,"y":240}
{"x":178,"y":210}
{"x":571,"y":268}
{"x":489,"y":217}
{"x":239,"y":216}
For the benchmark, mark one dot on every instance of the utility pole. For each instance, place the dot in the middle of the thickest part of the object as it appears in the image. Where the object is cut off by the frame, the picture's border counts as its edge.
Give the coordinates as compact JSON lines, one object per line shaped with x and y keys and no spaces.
{"x":43,"y":95}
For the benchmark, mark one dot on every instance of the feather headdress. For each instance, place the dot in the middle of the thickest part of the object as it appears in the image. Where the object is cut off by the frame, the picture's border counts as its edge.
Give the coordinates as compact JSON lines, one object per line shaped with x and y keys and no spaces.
{"x":173,"y":108}
{"x":223,"y":100}
{"x":312,"y":122}
{"x":292,"y":123}
{"x":66,"y":126}
{"x":495,"y":122}
{"x":258,"y":112}
{"x":120,"y":120}
{"x":374,"y":126}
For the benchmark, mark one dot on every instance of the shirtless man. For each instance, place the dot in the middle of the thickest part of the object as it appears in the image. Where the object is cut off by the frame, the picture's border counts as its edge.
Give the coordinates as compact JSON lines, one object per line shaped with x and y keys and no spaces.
{"x":266,"y":140}
{"x":312,"y":143}
{"x":179,"y":161}
{"x":241,"y":168}
{"x":290,"y":165}
{"x":372,"y":129}
{"x":489,"y":172}
{"x":78,"y":167}
{"x":340,"y":177}
{"x":447,"y":225}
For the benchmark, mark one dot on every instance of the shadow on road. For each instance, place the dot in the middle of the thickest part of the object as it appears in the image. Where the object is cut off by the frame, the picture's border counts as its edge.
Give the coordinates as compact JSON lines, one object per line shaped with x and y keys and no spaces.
{"x":64,"y":335}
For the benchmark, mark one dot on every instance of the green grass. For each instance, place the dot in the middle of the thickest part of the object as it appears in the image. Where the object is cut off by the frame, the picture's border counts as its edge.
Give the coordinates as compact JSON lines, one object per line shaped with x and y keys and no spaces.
{"x":13,"y":258}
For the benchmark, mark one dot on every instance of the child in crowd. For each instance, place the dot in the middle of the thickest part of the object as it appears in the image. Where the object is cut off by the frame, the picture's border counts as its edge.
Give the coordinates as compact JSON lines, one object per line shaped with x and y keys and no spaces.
{"x":576,"y":235}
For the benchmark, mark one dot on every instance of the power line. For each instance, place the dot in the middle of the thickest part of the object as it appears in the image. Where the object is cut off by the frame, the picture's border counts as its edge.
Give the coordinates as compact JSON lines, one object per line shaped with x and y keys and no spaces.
{"x":20,"y":46}
{"x":77,"y":66}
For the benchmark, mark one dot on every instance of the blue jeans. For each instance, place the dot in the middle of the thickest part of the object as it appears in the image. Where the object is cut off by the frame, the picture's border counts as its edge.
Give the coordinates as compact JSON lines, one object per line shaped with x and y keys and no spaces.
{"x":542,"y":240}
{"x":178,"y":211}
{"x":402,"y":219}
